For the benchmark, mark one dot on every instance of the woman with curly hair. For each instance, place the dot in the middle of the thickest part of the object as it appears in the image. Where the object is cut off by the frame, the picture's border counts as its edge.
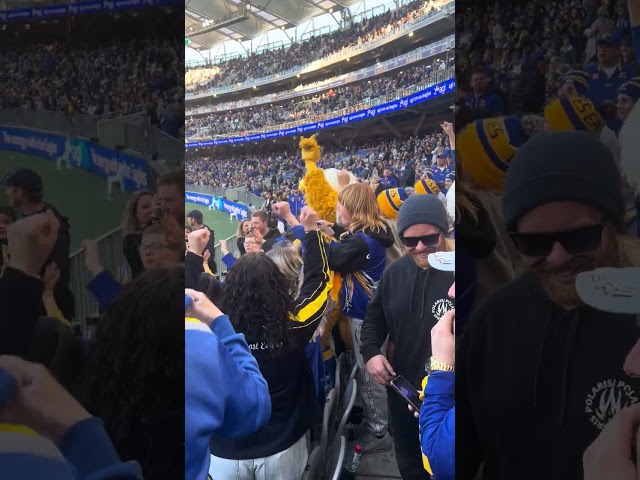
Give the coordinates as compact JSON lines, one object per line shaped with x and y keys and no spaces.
{"x":132,"y":352}
{"x":259,"y":301}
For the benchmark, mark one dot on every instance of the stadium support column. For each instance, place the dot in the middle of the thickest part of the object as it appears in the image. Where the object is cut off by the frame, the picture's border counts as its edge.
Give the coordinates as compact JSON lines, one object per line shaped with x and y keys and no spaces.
{"x":391,"y":128}
{"x":420,"y":122}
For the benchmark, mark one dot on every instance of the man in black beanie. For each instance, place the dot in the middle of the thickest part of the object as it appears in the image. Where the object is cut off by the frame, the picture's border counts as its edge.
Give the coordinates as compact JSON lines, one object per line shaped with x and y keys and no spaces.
{"x":410,"y":299}
{"x":539,"y":373}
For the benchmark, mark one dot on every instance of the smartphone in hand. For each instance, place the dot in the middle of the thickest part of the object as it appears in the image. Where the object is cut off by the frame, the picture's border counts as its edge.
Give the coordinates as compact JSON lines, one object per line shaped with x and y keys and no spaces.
{"x":406,"y":390}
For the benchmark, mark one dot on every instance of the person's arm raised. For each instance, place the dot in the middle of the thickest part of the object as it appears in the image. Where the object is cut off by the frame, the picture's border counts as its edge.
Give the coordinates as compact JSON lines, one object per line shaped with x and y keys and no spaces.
{"x":311,"y":303}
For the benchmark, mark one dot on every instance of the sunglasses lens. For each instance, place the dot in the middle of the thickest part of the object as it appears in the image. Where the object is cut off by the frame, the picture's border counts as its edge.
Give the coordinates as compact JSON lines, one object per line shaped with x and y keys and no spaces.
{"x":575,"y":242}
{"x":427,"y":240}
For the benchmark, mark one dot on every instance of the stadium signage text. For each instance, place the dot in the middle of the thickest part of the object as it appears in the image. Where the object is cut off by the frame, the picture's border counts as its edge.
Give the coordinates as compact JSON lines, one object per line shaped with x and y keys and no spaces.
{"x":440,"y":89}
{"x":242,"y":211}
{"x":95,"y":6}
{"x":76,"y":152}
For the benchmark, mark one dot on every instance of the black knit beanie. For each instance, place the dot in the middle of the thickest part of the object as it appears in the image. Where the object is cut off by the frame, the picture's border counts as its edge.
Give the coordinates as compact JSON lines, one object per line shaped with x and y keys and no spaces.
{"x":427,"y":209}
{"x":562,"y":166}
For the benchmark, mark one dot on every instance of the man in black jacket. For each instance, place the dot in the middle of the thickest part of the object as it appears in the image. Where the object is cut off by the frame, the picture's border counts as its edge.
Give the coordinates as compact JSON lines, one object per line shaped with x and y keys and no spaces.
{"x":409,"y":174}
{"x":409,"y":300}
{"x":24,"y":189}
{"x":196,"y":222}
{"x":527,"y":380}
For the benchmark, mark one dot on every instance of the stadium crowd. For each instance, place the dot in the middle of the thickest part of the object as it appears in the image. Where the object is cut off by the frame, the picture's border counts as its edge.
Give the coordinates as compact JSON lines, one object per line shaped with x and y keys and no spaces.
{"x":243,"y":69}
{"x":522,"y":62}
{"x":276,"y":175}
{"x":88,"y":398}
{"x":81,"y":78}
{"x":348,"y":99}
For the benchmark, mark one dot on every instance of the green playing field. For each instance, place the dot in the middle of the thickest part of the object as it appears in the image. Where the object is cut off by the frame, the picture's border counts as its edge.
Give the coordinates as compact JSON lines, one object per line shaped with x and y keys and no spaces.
{"x":218,"y":221}
{"x":76,"y":193}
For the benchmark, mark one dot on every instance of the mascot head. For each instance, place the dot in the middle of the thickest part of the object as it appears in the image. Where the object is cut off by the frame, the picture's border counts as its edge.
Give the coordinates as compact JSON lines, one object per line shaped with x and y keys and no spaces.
{"x":321,"y":187}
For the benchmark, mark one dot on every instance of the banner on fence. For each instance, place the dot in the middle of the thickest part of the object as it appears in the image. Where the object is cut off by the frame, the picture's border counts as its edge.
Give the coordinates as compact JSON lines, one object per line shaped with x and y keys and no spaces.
{"x":217,"y":203}
{"x":422,"y":96}
{"x":76,"y":152}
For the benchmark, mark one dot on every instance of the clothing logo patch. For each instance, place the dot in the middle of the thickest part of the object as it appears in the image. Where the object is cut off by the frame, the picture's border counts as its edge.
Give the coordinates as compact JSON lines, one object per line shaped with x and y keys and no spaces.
{"x":440,"y":307}
{"x":606,"y":399}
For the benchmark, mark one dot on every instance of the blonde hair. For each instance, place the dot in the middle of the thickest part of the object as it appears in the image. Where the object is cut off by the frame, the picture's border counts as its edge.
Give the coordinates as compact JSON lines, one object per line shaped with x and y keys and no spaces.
{"x":289,"y":261}
{"x":361,"y":202}
{"x":239,"y":232}
{"x":130,"y":223}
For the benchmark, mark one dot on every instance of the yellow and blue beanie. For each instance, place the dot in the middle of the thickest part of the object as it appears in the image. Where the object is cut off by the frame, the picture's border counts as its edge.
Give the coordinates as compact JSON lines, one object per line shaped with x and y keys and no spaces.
{"x":631,"y":88}
{"x":579,"y":79}
{"x":486,"y":148}
{"x":575,"y":114}
{"x":390,"y":201}
{"x":427,"y":186}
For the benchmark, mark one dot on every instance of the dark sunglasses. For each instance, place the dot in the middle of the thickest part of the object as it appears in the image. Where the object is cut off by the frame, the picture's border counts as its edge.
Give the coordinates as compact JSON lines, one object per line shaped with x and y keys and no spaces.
{"x":575,"y":242}
{"x":427,"y":240}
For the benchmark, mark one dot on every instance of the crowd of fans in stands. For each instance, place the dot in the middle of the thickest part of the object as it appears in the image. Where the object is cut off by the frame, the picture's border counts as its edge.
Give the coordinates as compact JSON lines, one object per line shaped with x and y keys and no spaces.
{"x":81,"y":78}
{"x":242,"y":69}
{"x":277,"y":174}
{"x":524,"y":60}
{"x":348,"y":98}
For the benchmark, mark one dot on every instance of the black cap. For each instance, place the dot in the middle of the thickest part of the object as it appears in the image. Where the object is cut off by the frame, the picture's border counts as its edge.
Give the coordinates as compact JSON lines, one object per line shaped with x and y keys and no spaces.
{"x":196,"y":215}
{"x":23,"y":178}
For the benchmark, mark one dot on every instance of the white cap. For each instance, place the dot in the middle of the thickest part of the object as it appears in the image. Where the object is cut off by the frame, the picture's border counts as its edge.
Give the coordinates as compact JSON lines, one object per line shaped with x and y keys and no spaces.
{"x":615,"y":290}
{"x":443,"y":261}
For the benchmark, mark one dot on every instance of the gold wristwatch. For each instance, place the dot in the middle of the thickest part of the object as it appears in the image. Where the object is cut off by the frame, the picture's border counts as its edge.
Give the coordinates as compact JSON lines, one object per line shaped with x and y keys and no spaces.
{"x":438,"y":365}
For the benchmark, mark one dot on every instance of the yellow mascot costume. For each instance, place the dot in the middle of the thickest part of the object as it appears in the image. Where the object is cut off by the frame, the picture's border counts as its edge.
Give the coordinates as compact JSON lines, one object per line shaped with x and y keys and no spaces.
{"x":321,"y":188}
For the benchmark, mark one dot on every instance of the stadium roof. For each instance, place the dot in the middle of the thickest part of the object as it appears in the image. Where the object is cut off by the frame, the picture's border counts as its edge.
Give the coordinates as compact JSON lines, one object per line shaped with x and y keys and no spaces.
{"x":263,"y":15}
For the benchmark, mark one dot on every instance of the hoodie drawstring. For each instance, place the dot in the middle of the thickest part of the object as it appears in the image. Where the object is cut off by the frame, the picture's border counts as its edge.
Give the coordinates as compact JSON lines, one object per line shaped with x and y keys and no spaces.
{"x":573,"y":328}
{"x":413,"y":287}
{"x":424,"y":293}
{"x":536,"y":377}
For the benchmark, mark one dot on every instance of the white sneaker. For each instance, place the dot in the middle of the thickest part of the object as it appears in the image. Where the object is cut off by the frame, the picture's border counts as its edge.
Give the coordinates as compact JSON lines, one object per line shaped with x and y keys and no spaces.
{"x":615,"y":290}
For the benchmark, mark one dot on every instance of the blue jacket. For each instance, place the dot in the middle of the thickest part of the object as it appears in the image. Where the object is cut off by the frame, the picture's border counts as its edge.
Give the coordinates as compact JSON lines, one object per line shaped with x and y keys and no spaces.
{"x":105,"y":288}
{"x":225,"y":392}
{"x":296,"y":204}
{"x":438,"y":425}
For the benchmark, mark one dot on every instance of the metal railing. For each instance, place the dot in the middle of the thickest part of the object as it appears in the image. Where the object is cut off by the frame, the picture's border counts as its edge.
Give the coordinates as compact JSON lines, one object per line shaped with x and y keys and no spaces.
{"x":437,"y":77}
{"x":343,"y":54}
{"x":113,"y":260}
{"x":239,"y":195}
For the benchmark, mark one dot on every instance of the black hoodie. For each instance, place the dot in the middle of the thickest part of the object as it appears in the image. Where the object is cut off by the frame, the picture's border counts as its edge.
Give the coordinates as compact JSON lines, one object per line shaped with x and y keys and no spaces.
{"x":536,"y":383}
{"x":407,"y":304}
